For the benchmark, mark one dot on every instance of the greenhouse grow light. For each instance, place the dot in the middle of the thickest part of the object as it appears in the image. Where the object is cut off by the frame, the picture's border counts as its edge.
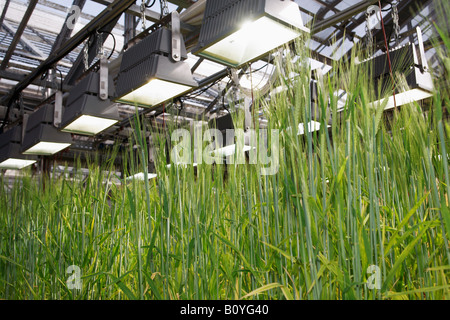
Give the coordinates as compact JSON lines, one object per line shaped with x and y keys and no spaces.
{"x":149,"y":77}
{"x":227,"y":147}
{"x":41,"y":137}
{"x":141,"y":177}
{"x":85,"y":112}
{"x":10,"y":155}
{"x":236,"y":32}
{"x":409,"y":61}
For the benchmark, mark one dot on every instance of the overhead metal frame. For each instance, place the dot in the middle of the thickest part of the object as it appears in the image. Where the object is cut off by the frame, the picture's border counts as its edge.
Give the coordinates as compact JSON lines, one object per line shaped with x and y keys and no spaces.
{"x":113,"y":11}
{"x":18,"y":34}
{"x":340,"y":20}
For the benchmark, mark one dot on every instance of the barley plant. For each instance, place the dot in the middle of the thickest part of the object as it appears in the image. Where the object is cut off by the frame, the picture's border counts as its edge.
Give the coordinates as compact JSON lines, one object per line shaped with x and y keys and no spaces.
{"x":356,"y":210}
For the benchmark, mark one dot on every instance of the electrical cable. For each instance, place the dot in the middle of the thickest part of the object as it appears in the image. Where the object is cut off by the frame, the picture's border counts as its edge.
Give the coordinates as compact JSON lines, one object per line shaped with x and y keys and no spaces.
{"x":389,"y":58}
{"x":201,"y":91}
{"x":388,"y":9}
{"x":114,"y":39}
{"x":148,"y":6}
{"x":259,"y":69}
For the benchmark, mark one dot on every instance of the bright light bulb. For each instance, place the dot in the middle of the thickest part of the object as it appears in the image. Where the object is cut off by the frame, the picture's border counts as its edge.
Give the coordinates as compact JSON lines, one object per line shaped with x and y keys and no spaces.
{"x":252,"y":40}
{"x":403,"y":98}
{"x":155,"y":92}
{"x":47,"y":148}
{"x":312,"y":126}
{"x":17,"y":164}
{"x":229,"y":150}
{"x":140,"y":176}
{"x":89,"y":125}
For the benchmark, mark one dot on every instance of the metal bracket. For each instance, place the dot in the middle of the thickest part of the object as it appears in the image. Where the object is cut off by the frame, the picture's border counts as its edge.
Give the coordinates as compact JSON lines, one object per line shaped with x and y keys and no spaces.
{"x":176,"y":36}
{"x":57,"y":116}
{"x":422,"y":58}
{"x":235,"y":77}
{"x":104,"y":74}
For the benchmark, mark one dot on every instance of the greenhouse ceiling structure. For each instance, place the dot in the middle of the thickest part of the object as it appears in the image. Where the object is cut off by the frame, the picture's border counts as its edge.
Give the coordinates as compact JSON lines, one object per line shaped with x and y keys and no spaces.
{"x":39,"y":37}
{"x":224,"y":149}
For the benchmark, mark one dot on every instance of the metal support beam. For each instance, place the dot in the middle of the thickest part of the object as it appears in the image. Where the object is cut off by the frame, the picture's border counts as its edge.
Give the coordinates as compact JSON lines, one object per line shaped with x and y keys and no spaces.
{"x":135,"y":10}
{"x":15,"y":76}
{"x":20,"y":29}
{"x":65,"y":32}
{"x":5,"y":9}
{"x":27,"y":44}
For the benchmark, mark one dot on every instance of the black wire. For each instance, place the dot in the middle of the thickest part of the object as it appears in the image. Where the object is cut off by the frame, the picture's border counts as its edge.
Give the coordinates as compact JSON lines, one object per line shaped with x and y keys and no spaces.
{"x":196,"y":94}
{"x":388,"y":9}
{"x":161,"y":5}
{"x":114,"y":38}
{"x":150,"y":5}
{"x":223,"y":104}
{"x":253,"y":71}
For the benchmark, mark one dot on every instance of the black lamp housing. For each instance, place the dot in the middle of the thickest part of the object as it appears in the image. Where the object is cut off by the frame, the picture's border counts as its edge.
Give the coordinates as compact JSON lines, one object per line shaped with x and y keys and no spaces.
{"x":10,"y":150}
{"x":149,"y":76}
{"x":223,"y":124}
{"x":405,"y":60}
{"x":85,"y":113}
{"x":235,"y":32}
{"x":41,"y":137}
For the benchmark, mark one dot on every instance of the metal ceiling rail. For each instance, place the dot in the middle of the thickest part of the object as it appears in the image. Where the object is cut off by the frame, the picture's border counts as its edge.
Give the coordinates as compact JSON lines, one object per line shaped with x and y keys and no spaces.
{"x":110,"y":13}
{"x":66,"y":31}
{"x":135,"y":10}
{"x":5,"y":9}
{"x":114,"y":10}
{"x":16,"y":76}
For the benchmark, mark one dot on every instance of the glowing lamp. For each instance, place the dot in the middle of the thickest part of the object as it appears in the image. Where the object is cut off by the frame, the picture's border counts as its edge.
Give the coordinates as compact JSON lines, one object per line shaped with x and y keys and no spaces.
{"x":235,"y":32}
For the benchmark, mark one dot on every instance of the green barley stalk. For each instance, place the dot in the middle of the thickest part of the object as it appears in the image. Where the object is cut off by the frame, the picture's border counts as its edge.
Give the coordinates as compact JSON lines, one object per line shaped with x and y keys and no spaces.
{"x":369,"y":190}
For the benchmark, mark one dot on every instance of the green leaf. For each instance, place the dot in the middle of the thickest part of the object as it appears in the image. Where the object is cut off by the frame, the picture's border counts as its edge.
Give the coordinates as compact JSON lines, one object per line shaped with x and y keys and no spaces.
{"x":286,"y":255}
{"x":408,"y":250}
{"x":415,"y":291}
{"x":262,"y":290}
{"x":394,"y":238}
{"x":122,"y":286}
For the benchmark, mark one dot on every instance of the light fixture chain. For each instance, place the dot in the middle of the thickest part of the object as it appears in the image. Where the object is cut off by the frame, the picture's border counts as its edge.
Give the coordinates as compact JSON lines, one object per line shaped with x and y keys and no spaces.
{"x":395,"y":20}
{"x":369,"y":35}
{"x":86,"y":55}
{"x":165,"y":8}
{"x":100,"y":45}
{"x":143,"y":18}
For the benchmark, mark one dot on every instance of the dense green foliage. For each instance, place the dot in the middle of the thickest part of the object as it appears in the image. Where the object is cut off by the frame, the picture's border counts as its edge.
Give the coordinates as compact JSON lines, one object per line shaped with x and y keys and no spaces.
{"x":371,"y":190}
